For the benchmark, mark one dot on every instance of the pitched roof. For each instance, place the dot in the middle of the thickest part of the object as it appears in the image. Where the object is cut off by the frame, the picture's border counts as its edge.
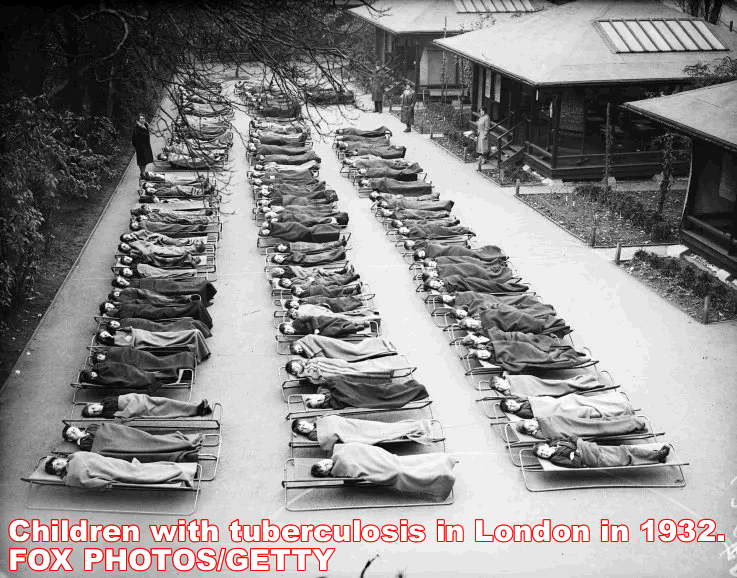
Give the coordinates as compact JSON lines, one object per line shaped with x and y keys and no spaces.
{"x":564,"y":45}
{"x":709,"y":113}
{"x":425,"y":16}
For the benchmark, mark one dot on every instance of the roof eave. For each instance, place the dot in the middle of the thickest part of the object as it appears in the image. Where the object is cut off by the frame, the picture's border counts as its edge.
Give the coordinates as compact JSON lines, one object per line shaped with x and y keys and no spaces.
{"x":378,"y":24}
{"x":549,"y":84}
{"x":680,"y":127}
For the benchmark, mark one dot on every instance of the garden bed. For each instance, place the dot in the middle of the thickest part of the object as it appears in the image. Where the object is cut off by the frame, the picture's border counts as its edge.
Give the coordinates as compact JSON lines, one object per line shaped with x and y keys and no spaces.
{"x":510,"y":176}
{"x":575,"y":213}
{"x":454,"y":148}
{"x":684,"y":285}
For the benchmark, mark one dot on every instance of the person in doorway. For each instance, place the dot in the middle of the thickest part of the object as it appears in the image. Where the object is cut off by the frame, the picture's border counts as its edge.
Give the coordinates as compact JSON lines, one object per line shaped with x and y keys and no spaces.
{"x":141,"y":140}
{"x":409,"y":98}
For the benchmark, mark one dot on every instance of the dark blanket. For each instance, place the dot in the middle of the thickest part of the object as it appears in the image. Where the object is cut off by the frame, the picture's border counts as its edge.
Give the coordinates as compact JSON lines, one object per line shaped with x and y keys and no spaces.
{"x":146,"y":361}
{"x":424,"y":205}
{"x":266,"y":138}
{"x":357,"y":140}
{"x":313,"y":259}
{"x":130,"y":294}
{"x":419,"y":214}
{"x":507,"y":318}
{"x":554,"y":427}
{"x":474,"y":302}
{"x":372,"y":162}
{"x":530,"y":385}
{"x":312,"y":247}
{"x":381,"y":131}
{"x":122,"y":375}
{"x":429,"y":197}
{"x":306,"y":156}
{"x":455,"y":283}
{"x":182,"y":287}
{"x":408,"y":174}
{"x":319,"y":199}
{"x":395,"y":187}
{"x":328,"y":326}
{"x":387,"y":395}
{"x":195,"y":310}
{"x":178,"y":324}
{"x":335,"y":304}
{"x":291,"y":150}
{"x":288,"y":188}
{"x":294,"y":177}
{"x":385,"y":152}
{"x":305,"y":219}
{"x":125,"y":443}
{"x":173,"y":229}
{"x":487,"y":253}
{"x":296,"y":232}
{"x":430,"y":231}
{"x":331,"y":290}
{"x":518,"y":356}
{"x":495,"y":273}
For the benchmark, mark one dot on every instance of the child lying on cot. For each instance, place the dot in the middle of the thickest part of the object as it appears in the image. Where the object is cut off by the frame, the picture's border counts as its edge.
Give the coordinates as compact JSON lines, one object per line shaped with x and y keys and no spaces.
{"x":124,"y":442}
{"x":427,"y":474}
{"x":333,"y":429}
{"x":573,"y":452}
{"x":318,"y":369}
{"x":320,"y":346}
{"x":339,"y":392}
{"x":608,"y":404}
{"x":334,"y":304}
{"x":88,"y":470}
{"x":132,"y":405}
{"x":555,"y":427}
{"x":324,"y":325}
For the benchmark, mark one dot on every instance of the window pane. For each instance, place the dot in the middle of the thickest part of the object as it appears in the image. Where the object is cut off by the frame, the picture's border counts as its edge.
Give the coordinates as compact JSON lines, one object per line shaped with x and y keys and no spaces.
{"x":675,"y":27}
{"x":611,"y":33}
{"x":627,"y":36}
{"x":642,"y":38}
{"x":668,"y":35}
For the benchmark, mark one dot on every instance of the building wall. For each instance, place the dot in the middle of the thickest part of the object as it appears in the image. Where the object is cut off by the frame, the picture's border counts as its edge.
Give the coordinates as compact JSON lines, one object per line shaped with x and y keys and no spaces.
{"x":431,"y":68}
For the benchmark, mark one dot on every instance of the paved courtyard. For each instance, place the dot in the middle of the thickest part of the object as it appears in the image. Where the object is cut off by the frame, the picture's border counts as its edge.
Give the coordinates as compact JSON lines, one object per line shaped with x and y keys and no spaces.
{"x":681,"y":373}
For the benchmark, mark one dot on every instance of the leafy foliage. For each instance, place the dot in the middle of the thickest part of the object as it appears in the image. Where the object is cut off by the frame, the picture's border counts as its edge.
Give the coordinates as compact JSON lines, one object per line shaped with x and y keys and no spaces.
{"x":707,"y":74}
{"x":692,"y":279}
{"x":47,"y":157}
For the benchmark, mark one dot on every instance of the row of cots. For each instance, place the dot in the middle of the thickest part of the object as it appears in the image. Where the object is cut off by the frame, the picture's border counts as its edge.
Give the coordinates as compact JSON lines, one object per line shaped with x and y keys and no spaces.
{"x":133,"y":426}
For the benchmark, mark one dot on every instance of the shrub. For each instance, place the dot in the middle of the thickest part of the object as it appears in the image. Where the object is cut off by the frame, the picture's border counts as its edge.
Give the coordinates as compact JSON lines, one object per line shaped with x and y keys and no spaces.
{"x":46,"y":156}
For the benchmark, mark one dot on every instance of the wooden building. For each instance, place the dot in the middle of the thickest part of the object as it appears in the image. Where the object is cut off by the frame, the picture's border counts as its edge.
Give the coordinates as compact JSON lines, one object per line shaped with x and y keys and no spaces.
{"x":709,"y":116}
{"x":406,"y":28}
{"x":548,"y":79}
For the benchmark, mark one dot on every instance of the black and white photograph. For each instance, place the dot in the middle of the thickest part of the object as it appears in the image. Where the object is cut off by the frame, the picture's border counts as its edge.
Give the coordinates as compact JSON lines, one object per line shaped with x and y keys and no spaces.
{"x":368,"y":288}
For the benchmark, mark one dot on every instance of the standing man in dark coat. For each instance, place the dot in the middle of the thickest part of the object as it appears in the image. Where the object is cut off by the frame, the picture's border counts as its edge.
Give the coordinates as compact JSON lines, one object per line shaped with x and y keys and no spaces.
{"x":408,"y":107}
{"x":377,"y":88}
{"x":142,"y":141}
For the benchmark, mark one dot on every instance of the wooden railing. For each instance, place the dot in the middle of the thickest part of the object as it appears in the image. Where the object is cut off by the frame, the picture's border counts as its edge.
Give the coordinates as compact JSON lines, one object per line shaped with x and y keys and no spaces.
{"x":515,"y":136}
{"x":501,"y":122}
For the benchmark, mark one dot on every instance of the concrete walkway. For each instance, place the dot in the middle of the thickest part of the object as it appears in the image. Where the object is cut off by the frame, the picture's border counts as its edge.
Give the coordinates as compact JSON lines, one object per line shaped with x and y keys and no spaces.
{"x":681,"y":373}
